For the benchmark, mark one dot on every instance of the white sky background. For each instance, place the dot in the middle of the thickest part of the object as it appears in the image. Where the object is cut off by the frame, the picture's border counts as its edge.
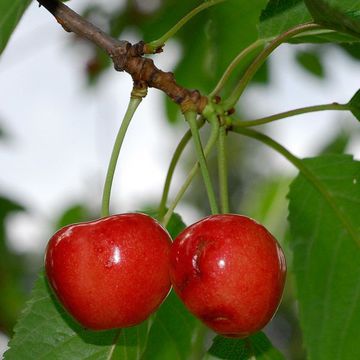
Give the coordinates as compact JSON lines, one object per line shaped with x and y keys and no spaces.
{"x":61,"y":133}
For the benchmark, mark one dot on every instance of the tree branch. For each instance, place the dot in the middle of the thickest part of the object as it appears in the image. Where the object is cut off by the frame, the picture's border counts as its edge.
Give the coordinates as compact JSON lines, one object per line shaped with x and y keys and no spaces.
{"x":127,"y":57}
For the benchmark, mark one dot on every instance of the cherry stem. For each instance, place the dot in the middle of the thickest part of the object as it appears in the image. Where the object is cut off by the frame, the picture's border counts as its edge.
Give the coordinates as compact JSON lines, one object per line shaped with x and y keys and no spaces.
{"x":190,"y":117}
{"x":260,"y":59}
{"x":306,"y":172}
{"x":285,"y":114}
{"x":230,"y":69}
{"x":209,"y":145}
{"x":174,"y":161}
{"x":154,"y":46}
{"x":134,"y":102}
{"x":223,"y":173}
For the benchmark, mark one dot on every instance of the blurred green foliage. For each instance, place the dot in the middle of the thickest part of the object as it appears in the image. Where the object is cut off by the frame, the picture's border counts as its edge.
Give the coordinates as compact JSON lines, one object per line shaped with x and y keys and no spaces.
{"x":12,"y":272}
{"x":311,"y":61}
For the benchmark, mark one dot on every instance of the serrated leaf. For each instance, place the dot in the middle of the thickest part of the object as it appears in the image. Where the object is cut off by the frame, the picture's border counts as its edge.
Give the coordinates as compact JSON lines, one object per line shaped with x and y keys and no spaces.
{"x":355,"y":105}
{"x":333,"y":18}
{"x":10,"y":14}
{"x":281,"y":15}
{"x":46,"y":331}
{"x":326,"y":257}
{"x":255,"y":347}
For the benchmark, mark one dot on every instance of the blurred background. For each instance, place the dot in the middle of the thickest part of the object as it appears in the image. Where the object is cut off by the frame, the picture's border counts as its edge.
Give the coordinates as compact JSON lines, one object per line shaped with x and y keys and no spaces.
{"x":61,"y":104}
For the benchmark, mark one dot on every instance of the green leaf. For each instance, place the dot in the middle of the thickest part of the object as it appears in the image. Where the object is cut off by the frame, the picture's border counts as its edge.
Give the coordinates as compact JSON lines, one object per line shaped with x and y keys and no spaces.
{"x":12,"y":272}
{"x":255,"y":347}
{"x":333,"y":17}
{"x":74,"y":214}
{"x":336,"y":145}
{"x":355,"y":105}
{"x":281,"y":15}
{"x":326,"y":257}
{"x":311,"y":62}
{"x":266,"y":203}
{"x":352,"y":49}
{"x":175,"y":334}
{"x":11,"y":12}
{"x":46,"y":331}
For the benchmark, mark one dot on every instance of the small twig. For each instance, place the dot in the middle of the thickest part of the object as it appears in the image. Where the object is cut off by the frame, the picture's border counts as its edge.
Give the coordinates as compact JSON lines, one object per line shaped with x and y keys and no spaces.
{"x":73,"y":22}
{"x":126,"y":57}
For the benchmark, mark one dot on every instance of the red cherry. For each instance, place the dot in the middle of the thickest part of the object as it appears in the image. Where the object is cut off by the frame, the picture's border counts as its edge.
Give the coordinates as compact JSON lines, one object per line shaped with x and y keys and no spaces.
{"x":230,"y":272}
{"x":112,"y":272}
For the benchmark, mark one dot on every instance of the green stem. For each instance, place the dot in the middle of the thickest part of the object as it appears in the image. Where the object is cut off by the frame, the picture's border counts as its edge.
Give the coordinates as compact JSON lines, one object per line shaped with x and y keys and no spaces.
{"x":260,"y":59}
{"x":133,"y":104}
{"x":282,"y":115}
{"x":153,"y":46}
{"x":209,"y":145}
{"x":190,"y":117}
{"x":307,"y":173}
{"x":223,"y":174}
{"x":175,"y":158}
{"x":243,"y":54}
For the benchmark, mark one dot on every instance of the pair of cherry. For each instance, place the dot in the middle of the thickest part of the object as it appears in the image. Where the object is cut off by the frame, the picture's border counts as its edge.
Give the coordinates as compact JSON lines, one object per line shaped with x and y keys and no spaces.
{"x":114,"y":272}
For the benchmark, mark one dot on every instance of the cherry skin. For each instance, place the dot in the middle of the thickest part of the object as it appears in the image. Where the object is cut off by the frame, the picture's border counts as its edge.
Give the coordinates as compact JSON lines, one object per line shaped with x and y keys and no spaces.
{"x":110,"y":273}
{"x":230,"y":273}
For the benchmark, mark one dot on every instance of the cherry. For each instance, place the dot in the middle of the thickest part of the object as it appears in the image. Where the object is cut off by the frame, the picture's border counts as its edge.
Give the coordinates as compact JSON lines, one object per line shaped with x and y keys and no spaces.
{"x":112,"y":272}
{"x":230,"y":272}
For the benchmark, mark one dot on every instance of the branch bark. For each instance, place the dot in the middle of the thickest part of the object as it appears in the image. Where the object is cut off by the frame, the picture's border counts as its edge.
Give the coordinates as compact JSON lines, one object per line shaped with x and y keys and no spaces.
{"x":127,"y":57}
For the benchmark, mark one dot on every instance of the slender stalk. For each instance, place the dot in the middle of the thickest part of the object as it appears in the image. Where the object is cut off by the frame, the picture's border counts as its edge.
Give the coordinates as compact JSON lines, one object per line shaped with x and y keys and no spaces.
{"x":242,"y":55}
{"x":260,"y":59}
{"x":153,"y":46}
{"x":223,"y":173}
{"x":175,"y":158}
{"x":133,"y":105}
{"x":282,"y":115}
{"x":209,"y":145}
{"x":190,"y":117}
{"x":306,"y":172}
